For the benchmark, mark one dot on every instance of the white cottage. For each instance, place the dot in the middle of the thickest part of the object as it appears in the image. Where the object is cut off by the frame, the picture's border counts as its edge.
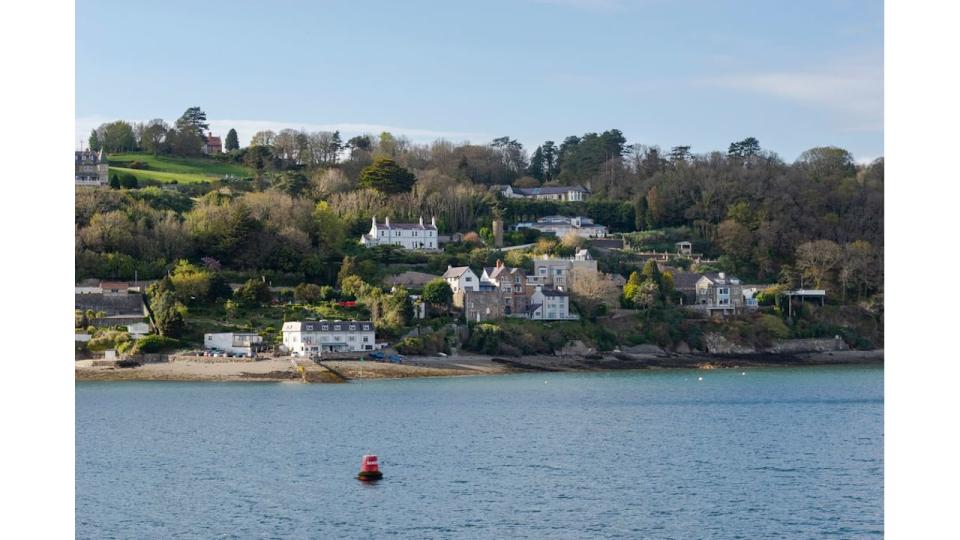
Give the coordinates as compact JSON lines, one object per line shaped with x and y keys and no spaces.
{"x":232,"y":342}
{"x":549,"y":305}
{"x":461,"y":278}
{"x":417,"y":236}
{"x":317,"y":337}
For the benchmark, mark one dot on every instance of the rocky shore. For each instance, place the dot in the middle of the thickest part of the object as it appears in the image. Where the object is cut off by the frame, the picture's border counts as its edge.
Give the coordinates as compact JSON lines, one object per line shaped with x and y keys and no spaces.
{"x":283,"y":369}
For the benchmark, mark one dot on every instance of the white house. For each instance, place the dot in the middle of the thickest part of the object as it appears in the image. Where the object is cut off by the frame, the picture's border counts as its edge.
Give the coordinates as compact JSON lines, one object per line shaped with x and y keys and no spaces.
{"x":555,"y":193}
{"x":461,"y":278}
{"x":317,"y":337}
{"x":232,"y":342}
{"x":138,"y":329}
{"x":562,"y":225}
{"x":549,"y":305}
{"x":408,"y":235}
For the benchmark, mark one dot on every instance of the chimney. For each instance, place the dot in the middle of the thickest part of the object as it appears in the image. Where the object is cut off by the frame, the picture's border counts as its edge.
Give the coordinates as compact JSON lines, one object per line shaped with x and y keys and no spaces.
{"x":722,"y":275}
{"x":421,"y":221}
{"x":374,"y":222}
{"x":499,"y":263}
{"x":387,"y":221}
{"x":433,"y":221}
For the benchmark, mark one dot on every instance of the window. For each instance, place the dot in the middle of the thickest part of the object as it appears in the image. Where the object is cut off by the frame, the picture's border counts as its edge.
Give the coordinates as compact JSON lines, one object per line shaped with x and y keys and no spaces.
{"x":366,"y":339}
{"x":468,"y":279}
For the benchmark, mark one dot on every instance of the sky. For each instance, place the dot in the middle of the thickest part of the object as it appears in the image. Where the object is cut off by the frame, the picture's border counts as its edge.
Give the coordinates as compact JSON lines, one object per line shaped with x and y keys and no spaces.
{"x":795,"y":75}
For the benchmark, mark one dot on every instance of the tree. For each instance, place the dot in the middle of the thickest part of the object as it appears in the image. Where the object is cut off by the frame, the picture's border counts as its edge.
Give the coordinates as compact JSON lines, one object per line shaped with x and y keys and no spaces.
{"x":167,"y":314}
{"x":592,"y":290}
{"x":818,"y":260}
{"x":438,"y":294}
{"x":232,"y":142}
{"x":307,"y":293}
{"x":191,"y":283}
{"x":115,"y":181}
{"x":116,"y":137}
{"x":385,"y":175}
{"x":193,"y":120}
{"x":680,"y":154}
{"x":153,"y":135}
{"x":263,"y":138}
{"x":631,"y":287}
{"x":128,"y":181}
{"x":253,"y":293}
{"x":94,"y":141}
{"x":746,"y":148}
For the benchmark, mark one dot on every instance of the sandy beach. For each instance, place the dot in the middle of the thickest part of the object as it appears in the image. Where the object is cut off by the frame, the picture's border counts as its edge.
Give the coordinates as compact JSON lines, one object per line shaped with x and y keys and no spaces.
{"x":334,"y":371}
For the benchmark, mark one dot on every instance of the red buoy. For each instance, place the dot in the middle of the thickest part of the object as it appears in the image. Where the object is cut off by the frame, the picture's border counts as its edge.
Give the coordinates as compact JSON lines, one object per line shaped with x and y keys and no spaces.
{"x":369,"y":469}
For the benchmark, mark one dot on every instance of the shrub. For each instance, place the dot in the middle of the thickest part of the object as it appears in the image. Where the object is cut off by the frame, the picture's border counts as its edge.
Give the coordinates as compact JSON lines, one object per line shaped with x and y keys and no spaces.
{"x":154,"y":343}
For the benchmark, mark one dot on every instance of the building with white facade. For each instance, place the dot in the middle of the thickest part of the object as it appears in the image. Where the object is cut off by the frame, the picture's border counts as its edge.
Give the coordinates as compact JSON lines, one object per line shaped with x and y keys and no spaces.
{"x":562,"y":225}
{"x":417,"y":236}
{"x":233,"y":343}
{"x":554,"y":271}
{"x":549,"y":305}
{"x":91,"y":168}
{"x":305,"y":338}
{"x":461,"y":278}
{"x":553,"y":193}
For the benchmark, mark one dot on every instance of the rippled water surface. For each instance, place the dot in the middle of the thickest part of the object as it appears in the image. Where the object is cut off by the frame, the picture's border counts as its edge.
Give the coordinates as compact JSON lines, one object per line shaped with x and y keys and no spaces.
{"x":788,"y":453}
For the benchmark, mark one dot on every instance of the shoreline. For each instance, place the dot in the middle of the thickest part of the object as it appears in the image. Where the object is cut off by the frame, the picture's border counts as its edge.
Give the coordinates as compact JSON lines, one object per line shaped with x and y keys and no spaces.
{"x":341,"y":371}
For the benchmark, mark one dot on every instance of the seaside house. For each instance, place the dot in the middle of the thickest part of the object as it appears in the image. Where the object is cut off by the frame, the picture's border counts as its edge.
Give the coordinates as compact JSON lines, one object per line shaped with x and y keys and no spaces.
{"x":305,"y":338}
{"x":416,"y":236}
{"x":549,"y":305}
{"x":510,"y":282}
{"x":233,"y":343}
{"x":562,"y":226}
{"x":719,"y":294}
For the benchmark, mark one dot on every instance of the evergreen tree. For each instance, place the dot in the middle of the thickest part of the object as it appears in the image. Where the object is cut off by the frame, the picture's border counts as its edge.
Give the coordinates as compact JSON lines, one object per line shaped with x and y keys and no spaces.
{"x":194,"y":121}
{"x":94,"y":141}
{"x":232,"y":142}
{"x":385,"y":175}
{"x":536,"y":164}
{"x":114,"y":182}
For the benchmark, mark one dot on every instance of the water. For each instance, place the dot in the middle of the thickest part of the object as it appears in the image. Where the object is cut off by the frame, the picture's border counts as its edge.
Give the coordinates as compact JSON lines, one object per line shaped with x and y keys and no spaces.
{"x":787,"y":453}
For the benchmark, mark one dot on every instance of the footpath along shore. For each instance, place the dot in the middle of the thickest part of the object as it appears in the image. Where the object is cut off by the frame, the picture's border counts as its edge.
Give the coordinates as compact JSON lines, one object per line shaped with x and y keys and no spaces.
{"x":281,"y":369}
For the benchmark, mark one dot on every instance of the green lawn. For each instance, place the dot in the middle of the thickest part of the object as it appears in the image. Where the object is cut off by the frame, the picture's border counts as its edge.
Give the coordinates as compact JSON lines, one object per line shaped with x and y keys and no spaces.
{"x":167,"y":169}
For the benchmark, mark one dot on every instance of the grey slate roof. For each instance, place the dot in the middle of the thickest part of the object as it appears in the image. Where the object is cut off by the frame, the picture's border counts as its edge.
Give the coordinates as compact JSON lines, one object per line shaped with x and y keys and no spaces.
{"x":455,"y":271}
{"x":549,"y":190}
{"x":335,"y":326}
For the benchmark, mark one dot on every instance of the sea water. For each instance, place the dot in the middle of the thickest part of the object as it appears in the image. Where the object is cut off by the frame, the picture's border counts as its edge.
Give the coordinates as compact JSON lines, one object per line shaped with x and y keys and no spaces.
{"x":745,"y":453}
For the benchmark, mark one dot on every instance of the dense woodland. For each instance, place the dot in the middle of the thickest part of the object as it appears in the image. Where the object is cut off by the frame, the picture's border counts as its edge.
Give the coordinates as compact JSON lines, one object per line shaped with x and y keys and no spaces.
{"x":310,"y":195}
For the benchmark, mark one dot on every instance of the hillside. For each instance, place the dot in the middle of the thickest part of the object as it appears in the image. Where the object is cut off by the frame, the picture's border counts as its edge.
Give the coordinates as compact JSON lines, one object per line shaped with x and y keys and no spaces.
{"x":169,"y":169}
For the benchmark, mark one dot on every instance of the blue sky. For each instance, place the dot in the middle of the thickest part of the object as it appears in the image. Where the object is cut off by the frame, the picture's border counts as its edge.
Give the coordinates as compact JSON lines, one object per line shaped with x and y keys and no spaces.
{"x":701,"y":73}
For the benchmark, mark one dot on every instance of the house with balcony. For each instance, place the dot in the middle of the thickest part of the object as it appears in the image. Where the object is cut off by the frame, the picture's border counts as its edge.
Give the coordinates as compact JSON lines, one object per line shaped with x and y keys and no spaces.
{"x":718,"y":293}
{"x":553,"y":272}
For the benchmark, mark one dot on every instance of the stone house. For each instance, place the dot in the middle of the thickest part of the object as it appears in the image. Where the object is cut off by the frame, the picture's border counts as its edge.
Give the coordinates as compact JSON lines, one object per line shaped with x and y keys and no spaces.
{"x":91,"y":168}
{"x":719,"y":294}
{"x":511,"y":283}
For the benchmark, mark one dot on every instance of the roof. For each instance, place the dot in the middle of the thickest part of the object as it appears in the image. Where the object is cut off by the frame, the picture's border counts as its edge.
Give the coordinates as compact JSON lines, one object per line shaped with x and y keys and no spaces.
{"x":715,"y":277}
{"x":685,"y":280}
{"x":532,"y":308}
{"x":331,"y":326}
{"x":411,"y":277}
{"x":549,"y":190}
{"x":114,"y":285}
{"x":455,"y":271}
{"x":552,"y":292}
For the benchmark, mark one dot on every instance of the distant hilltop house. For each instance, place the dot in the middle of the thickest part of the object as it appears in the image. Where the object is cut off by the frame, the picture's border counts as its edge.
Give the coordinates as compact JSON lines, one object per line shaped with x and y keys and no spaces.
{"x":554,"y":193}
{"x":91,"y":168}
{"x":562,"y":225}
{"x":305,"y":338}
{"x":416,"y":236}
{"x":554,"y":271}
{"x":213,"y":145}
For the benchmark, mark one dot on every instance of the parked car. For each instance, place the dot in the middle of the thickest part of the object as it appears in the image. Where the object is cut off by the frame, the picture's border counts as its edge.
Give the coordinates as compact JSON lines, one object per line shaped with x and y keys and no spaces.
{"x":395,"y":359}
{"x":376,"y":355}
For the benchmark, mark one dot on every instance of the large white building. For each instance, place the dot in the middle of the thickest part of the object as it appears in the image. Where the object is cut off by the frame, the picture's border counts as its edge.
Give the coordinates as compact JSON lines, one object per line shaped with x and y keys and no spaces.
{"x":562,"y":225}
{"x":408,"y":235}
{"x":232,"y":342}
{"x":304,"y":338}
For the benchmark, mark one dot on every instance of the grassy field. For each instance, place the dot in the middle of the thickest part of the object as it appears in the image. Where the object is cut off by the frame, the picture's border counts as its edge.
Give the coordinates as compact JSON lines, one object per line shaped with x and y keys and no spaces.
{"x":167,"y":169}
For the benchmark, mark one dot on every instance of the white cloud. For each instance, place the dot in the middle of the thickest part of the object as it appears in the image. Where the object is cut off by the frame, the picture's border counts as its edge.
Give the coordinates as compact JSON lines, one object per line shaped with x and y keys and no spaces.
{"x":247,"y":128}
{"x":854,"y":91}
